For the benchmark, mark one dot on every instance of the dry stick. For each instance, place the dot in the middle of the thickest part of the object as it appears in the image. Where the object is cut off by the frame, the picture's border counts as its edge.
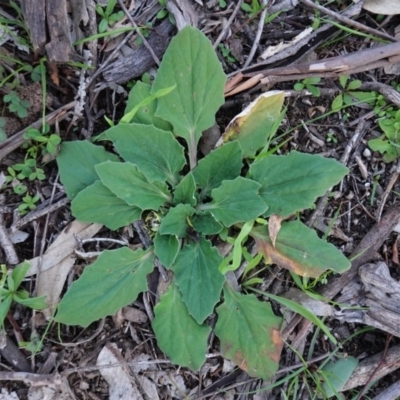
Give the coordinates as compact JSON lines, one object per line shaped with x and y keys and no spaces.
{"x":365,"y":250}
{"x":258,"y":35}
{"x":348,"y":21}
{"x":39,"y":213}
{"x":5,"y":241}
{"x":17,"y":139}
{"x":389,"y":187}
{"x":229,"y":22}
{"x":145,"y":42}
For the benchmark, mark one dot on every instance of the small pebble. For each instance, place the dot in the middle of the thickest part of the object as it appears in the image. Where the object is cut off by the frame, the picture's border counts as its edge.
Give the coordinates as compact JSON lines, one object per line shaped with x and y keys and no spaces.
{"x":367,"y":153}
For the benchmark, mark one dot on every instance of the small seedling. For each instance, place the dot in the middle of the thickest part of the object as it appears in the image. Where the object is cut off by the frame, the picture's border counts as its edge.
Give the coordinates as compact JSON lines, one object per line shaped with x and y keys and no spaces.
{"x":389,"y":143}
{"x":17,"y":106}
{"x":331,"y":138}
{"x":29,"y":204}
{"x":10,"y":292}
{"x":226,"y":53}
{"x":50,"y":142}
{"x":109,"y":17}
{"x":28,"y":170}
{"x":346,"y":98}
{"x":252,"y":9}
{"x":309,"y":84}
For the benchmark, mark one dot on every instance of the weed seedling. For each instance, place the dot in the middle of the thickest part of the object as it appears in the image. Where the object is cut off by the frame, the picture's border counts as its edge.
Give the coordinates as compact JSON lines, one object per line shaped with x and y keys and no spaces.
{"x":29,"y":204}
{"x":389,"y":143}
{"x":109,"y":17}
{"x":17,"y":106}
{"x":309,"y":84}
{"x":10,"y":292}
{"x":235,"y":192}
{"x":226,"y":53}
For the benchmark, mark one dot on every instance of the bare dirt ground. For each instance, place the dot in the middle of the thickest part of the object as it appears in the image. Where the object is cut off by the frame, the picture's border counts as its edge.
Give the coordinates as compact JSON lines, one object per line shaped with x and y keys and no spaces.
{"x":302,"y":47}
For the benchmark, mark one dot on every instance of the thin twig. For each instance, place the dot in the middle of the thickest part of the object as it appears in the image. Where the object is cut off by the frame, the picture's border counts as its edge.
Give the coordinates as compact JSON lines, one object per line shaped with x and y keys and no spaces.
{"x":388,"y":189}
{"x":258,"y":34}
{"x":145,"y":42}
{"x":228,"y":23}
{"x":5,"y":241}
{"x":348,"y":21}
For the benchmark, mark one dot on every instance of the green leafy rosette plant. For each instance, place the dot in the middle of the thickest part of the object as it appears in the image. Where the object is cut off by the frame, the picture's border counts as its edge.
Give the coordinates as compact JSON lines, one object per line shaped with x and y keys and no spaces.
{"x":157,"y":171}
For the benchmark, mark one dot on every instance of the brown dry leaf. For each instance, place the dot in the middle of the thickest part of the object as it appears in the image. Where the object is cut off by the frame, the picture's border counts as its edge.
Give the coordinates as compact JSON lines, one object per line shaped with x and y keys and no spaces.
{"x":274,"y":226}
{"x":312,"y":110}
{"x":57,"y":261}
{"x":385,"y":7}
{"x":395,"y":256}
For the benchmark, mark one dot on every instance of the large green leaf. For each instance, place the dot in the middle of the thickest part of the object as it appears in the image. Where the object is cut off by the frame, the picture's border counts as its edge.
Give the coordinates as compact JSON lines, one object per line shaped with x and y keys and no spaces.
{"x":190,"y":62}
{"x":222,"y":164}
{"x":185,"y":191}
{"x":205,"y":223}
{"x":166,"y":248}
{"x":156,"y":153}
{"x":130,"y":185}
{"x":98,"y":204}
{"x":257,"y":123}
{"x":146,"y":114}
{"x":175,"y":222}
{"x":178,"y":334}
{"x":299,"y":249}
{"x":113,"y":281}
{"x":292,"y":183}
{"x":198,"y":278}
{"x":236,"y":201}
{"x":76,"y":163}
{"x":249,"y":333}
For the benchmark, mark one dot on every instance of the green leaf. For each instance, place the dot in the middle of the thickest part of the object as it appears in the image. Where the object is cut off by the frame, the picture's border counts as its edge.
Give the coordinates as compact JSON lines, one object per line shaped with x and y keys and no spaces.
{"x":199,"y":80}
{"x":236,"y":201}
{"x":159,"y":93}
{"x":198,"y":278}
{"x":249,"y":333}
{"x":205,"y":223}
{"x":175,"y":222}
{"x":314,"y":90}
{"x":255,"y":125}
{"x":76,"y":163}
{"x":19,"y":272}
{"x":224,"y":163}
{"x":337,"y":102}
{"x":292,"y":183}
{"x":304,"y":312}
{"x":336,"y":374}
{"x":298,"y":86}
{"x":237,"y":249}
{"x":299,"y":249}
{"x":178,"y":334}
{"x":156,"y":153}
{"x":130,"y":185}
{"x":98,"y":204}
{"x":185,"y":191}
{"x":113,"y":281}
{"x":36,"y":303}
{"x":379,"y":145}
{"x":5,"y":304}
{"x":343,"y":80}
{"x":354,"y":85}
{"x":146,"y":114}
{"x":166,"y":248}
